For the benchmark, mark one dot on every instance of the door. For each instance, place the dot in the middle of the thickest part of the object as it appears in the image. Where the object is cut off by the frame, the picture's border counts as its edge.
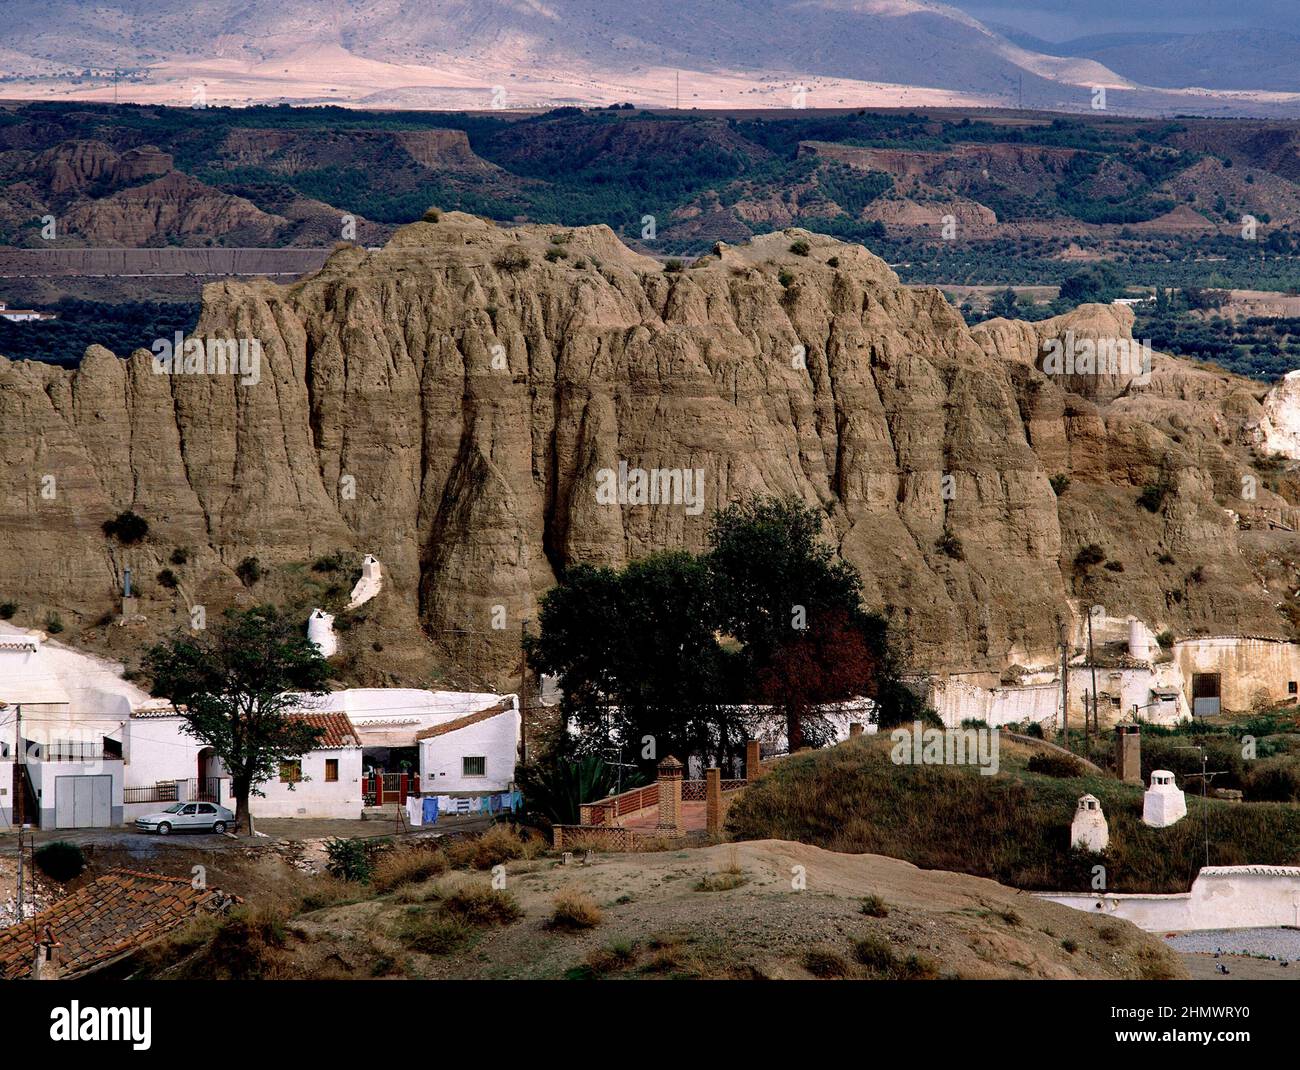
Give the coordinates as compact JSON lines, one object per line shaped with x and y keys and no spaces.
{"x":1205,"y":694}
{"x":83,"y":802}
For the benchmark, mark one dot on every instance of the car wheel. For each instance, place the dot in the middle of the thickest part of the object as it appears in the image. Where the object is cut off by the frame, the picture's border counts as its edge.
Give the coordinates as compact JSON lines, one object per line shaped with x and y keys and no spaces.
{"x":219,"y":827}
{"x":164,"y":828}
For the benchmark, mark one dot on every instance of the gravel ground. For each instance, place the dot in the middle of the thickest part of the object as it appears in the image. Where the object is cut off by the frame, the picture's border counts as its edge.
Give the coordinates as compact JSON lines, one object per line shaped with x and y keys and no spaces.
{"x":1284,"y":943}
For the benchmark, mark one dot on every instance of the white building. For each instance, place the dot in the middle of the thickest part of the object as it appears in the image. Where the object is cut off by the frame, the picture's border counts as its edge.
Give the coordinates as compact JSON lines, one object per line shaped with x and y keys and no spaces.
{"x":473,"y":753}
{"x":323,"y":783}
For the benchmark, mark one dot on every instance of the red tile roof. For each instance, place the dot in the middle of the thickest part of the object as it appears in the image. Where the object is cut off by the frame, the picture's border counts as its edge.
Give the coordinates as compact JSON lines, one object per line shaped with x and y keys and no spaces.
{"x":338,"y":730}
{"x":104,"y":920}
{"x":464,"y":722}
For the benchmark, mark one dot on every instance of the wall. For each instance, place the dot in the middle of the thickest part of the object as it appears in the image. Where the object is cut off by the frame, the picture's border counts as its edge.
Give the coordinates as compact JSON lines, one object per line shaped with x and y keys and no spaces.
{"x":496,"y":739}
{"x":1247,"y":667}
{"x":955,"y":700}
{"x":155,"y":749}
{"x":43,"y":775}
{"x":316,"y":797}
{"x":1222,"y":897}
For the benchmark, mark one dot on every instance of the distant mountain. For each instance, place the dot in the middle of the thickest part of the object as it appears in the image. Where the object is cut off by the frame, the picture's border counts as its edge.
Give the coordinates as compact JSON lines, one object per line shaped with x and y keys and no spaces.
{"x":1267,"y":60}
{"x":480,"y":54}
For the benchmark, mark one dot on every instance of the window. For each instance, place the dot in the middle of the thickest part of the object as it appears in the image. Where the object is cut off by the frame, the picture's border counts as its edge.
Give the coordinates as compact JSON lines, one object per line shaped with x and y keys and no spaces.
{"x":290,"y":771}
{"x":331,"y":769}
{"x":1290,"y":688}
{"x":473,"y":767}
{"x":189,"y":811}
{"x":207,"y":808}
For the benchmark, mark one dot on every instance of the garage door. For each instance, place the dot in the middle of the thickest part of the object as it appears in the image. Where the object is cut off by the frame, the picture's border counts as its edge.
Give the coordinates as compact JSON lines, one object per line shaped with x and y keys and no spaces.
{"x":83,"y":802}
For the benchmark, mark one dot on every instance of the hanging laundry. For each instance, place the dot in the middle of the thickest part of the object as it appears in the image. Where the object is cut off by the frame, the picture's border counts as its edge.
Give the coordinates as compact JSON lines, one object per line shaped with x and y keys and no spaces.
{"x":430,"y":814}
{"x":414,"y":811}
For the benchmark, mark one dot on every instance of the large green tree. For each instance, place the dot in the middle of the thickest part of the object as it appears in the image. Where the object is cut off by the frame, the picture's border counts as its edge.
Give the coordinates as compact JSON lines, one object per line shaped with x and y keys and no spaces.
{"x":675,"y":645}
{"x":239,"y":686}
{"x":641,"y":671}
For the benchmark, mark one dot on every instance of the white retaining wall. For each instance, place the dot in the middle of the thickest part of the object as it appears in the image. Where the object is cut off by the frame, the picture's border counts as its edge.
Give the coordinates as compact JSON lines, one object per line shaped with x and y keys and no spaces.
{"x":1222,"y":897}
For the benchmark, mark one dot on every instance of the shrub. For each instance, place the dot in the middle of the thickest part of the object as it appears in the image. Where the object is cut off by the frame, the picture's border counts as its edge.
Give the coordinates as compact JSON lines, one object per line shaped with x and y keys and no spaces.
{"x":1273,"y":780}
{"x":825,"y":962}
{"x":54,"y":624}
{"x":432,"y":932}
{"x":874,"y":907}
{"x":1114,"y":566}
{"x":60,"y":860}
{"x":1049,"y":763}
{"x":673,"y":266}
{"x":720,"y":882}
{"x":249,"y":571}
{"x":785,"y":278}
{"x":1060,"y":484}
{"x":574,"y":911}
{"x":168,"y":579}
{"x":405,"y":866}
{"x":834,"y":262}
{"x":1089,"y":555}
{"x":552,"y":255}
{"x":328,"y":563}
{"x":480,"y":904}
{"x":499,"y":844}
{"x":1153,"y":495}
{"x":881,"y":962}
{"x":949,"y":544}
{"x":512,"y":260}
{"x":127,"y":528}
{"x":800,"y":247}
{"x":349,"y":860}
{"x":432,"y":215}
{"x":1165,"y":639}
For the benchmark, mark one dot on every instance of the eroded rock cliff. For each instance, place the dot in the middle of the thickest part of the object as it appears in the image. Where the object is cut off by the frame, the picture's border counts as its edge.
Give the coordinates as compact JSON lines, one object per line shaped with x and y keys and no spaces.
{"x":447,"y":402}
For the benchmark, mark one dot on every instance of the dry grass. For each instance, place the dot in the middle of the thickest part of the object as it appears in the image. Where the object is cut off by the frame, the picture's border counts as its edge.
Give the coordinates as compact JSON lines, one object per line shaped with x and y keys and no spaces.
{"x":874,"y":907}
{"x":881,"y":962}
{"x":433,"y":932}
{"x":407,"y":866}
{"x":498,"y":845}
{"x":825,"y":962}
{"x":574,"y":911}
{"x":480,"y":904}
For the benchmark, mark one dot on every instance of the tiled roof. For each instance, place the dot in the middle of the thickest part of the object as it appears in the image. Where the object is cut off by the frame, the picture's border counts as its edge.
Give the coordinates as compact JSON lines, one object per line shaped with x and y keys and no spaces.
{"x":338,"y":730}
{"x":103,"y":920}
{"x":501,"y":707}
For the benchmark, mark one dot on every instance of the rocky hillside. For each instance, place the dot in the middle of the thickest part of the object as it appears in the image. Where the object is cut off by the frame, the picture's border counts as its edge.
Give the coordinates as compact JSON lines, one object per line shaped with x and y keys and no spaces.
{"x":448,"y":401}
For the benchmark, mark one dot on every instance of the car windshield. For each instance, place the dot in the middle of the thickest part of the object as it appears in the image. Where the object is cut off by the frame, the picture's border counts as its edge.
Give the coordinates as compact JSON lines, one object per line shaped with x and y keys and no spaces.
{"x":175,"y":809}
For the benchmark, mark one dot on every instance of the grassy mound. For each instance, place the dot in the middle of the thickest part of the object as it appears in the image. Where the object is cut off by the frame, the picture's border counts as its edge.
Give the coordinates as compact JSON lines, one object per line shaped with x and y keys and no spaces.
{"x":1013,"y":827}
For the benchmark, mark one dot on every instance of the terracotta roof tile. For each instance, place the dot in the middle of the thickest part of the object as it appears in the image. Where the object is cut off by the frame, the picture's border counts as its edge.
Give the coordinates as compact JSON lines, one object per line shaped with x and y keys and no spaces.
{"x":338,"y":729}
{"x":103,"y":920}
{"x":506,"y":704}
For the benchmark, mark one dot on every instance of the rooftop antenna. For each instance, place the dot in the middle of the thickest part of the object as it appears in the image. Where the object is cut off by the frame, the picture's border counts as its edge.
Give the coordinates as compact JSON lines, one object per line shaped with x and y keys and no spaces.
{"x":1206,"y":777}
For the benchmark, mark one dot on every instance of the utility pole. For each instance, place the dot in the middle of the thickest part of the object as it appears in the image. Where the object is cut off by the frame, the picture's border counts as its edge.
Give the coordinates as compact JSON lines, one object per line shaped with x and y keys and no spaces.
{"x":523,"y":690}
{"x":20,"y":798}
{"x":1092,"y":664}
{"x":1065,"y":681}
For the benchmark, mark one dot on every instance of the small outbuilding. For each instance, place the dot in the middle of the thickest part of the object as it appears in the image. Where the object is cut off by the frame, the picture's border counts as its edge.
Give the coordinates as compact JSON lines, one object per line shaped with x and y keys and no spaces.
{"x":1164,"y":803}
{"x":1089,"y":829}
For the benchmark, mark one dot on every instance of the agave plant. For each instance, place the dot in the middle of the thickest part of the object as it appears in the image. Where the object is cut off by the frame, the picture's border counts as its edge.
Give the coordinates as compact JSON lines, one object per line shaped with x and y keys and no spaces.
{"x":556,"y":787}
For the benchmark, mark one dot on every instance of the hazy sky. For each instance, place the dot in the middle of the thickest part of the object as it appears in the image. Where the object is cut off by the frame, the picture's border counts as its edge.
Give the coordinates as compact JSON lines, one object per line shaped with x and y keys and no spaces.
{"x":1059,"y":20}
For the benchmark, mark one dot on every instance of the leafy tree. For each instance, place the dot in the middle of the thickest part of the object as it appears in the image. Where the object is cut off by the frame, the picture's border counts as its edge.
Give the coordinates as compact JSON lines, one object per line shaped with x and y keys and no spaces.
{"x":636,"y":656}
{"x":557,"y":785}
{"x":238,"y":687}
{"x":1005,"y":304}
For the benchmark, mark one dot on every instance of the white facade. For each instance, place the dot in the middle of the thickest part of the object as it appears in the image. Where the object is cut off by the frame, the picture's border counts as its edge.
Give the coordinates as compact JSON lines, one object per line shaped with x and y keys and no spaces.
{"x":1222,"y":897}
{"x":474,"y":753}
{"x":316,"y":796}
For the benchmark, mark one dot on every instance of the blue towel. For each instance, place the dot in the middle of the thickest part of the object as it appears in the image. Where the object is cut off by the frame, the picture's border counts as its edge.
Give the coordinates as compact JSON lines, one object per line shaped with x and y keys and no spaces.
{"x":430,"y":812}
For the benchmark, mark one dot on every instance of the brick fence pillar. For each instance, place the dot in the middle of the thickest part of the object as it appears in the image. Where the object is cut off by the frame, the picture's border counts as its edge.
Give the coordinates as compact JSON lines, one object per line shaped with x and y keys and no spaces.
{"x":713,"y":801}
{"x":753,"y":760}
{"x":670,"y":797}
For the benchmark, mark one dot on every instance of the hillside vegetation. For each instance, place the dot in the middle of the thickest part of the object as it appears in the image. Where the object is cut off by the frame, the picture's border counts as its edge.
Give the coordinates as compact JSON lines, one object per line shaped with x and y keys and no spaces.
{"x":1013,"y":827}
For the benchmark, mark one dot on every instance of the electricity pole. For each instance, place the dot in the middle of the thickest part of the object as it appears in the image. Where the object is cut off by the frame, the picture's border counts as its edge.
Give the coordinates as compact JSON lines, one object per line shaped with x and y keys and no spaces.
{"x":1065,"y":681}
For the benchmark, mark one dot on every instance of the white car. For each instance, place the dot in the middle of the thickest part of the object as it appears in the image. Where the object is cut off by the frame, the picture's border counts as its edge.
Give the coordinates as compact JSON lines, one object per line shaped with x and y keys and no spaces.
{"x":193,"y":816}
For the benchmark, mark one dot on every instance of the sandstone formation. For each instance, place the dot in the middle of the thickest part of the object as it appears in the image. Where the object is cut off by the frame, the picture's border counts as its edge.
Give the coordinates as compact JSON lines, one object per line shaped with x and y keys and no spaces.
{"x":446,"y":403}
